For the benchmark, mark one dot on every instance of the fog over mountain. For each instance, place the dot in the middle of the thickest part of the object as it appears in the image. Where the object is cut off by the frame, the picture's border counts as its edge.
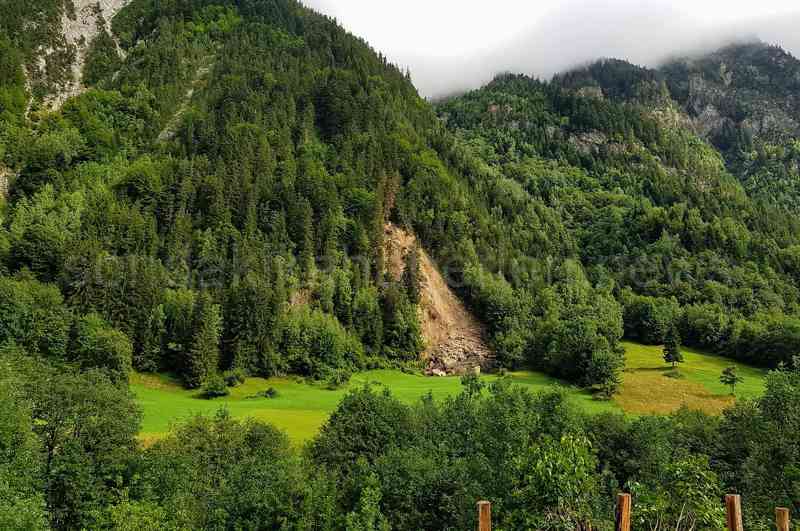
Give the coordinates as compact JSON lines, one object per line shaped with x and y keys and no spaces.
{"x":462,"y":45}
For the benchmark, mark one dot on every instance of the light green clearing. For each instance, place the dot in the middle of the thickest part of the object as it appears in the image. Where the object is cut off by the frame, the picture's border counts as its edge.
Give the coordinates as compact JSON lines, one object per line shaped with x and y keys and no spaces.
{"x":301,"y":408}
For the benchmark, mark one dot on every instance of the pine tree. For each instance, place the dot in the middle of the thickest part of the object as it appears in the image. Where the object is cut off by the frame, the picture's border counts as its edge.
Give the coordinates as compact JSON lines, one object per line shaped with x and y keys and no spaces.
{"x":203,"y":359}
{"x":672,"y":347}
{"x":307,"y":244}
{"x":731,"y":378}
{"x":411,"y":275}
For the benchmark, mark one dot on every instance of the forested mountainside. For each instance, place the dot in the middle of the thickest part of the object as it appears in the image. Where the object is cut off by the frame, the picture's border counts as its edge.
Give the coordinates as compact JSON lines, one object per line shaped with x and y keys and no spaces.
{"x":206,"y":187}
{"x":742,"y":98}
{"x":230,"y":164}
{"x":647,"y":202}
{"x":276,"y":179}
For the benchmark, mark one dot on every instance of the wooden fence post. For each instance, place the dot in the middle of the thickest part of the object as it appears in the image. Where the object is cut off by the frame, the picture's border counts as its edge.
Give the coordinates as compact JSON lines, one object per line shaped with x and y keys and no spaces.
{"x":782,"y":518}
{"x":733,"y":506}
{"x":484,"y":516}
{"x":624,"y":512}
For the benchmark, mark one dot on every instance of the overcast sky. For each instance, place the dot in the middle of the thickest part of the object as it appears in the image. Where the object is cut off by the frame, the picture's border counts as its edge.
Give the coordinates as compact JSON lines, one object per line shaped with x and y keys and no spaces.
{"x":452,"y":45}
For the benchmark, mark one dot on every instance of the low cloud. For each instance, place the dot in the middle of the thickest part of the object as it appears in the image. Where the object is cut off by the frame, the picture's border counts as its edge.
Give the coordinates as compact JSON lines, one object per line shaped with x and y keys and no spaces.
{"x":562,"y":35}
{"x":643,"y":35}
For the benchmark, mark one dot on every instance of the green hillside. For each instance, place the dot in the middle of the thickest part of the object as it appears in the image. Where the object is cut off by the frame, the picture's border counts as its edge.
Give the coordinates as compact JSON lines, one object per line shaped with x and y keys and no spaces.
{"x":649,"y":208}
{"x":217,"y":190}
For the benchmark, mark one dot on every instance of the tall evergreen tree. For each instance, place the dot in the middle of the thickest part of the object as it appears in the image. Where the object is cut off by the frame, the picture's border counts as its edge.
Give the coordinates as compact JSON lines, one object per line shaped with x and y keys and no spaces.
{"x":730,"y":377}
{"x":412,"y":274}
{"x":203,"y":358}
{"x":672,"y":346}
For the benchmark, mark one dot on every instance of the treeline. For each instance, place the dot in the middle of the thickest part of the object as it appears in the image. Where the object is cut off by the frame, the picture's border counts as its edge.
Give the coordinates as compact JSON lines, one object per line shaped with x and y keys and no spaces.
{"x":70,"y":460}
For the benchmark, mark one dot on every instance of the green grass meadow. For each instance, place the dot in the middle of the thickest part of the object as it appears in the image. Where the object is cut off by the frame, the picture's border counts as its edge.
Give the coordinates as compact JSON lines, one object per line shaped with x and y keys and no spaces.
{"x":301,"y":408}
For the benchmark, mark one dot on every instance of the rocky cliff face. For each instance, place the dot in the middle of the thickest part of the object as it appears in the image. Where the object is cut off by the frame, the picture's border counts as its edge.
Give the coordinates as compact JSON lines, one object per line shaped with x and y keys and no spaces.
{"x":5,"y":178}
{"x":58,"y":70}
{"x":752,"y":87}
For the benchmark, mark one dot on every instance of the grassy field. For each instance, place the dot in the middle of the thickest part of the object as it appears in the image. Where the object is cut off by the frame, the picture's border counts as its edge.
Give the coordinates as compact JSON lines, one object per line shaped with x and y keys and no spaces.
{"x":301,"y":409}
{"x":646,"y":388}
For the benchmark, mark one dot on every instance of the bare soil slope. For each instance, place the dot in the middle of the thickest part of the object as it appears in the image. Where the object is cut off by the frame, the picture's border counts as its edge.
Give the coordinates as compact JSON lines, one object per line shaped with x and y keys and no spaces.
{"x":454,"y":338}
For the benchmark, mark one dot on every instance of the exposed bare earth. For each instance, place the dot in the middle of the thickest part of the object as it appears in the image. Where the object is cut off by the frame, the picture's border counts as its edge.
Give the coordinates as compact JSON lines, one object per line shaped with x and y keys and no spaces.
{"x":454,"y":338}
{"x":5,"y":176}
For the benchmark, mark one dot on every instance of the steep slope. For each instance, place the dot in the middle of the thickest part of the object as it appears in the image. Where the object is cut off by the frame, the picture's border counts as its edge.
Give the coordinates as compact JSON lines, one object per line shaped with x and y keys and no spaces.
{"x":217,"y":162}
{"x":743,"y":99}
{"x":81,"y":23}
{"x":750,"y":87}
{"x":454,"y":339}
{"x":566,"y":216}
{"x":652,"y":206}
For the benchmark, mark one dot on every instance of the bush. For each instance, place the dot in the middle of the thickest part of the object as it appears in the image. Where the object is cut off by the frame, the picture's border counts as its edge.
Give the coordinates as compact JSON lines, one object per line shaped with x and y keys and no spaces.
{"x":338,"y":378}
{"x":234,"y":377}
{"x":267,"y":393}
{"x":215,"y":387}
{"x":270,"y":393}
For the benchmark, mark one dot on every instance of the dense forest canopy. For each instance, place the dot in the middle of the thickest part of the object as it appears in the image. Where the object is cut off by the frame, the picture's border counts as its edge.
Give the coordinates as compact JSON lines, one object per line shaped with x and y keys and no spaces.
{"x":214,"y":205}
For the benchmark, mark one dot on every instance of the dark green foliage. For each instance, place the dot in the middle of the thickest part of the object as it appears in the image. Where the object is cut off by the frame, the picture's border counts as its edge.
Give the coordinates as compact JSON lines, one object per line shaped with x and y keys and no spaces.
{"x":760,"y":453}
{"x":191,"y":225}
{"x":217,"y":201}
{"x":345,"y":438}
{"x":314,"y":343}
{"x":271,"y":392}
{"x":672,"y":346}
{"x":33,"y":316}
{"x":85,"y":425}
{"x":203,"y":356}
{"x":98,"y":345}
{"x":222,"y":473}
{"x":234,"y":377}
{"x":629,"y":194}
{"x":102,"y":60}
{"x":729,"y":377}
{"x":215,"y":387}
{"x":22,"y":504}
{"x":367,"y":516}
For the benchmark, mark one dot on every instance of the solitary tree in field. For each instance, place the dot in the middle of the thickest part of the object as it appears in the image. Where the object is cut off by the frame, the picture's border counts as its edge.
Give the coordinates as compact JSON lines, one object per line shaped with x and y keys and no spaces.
{"x":672,"y":347}
{"x":730,"y":377}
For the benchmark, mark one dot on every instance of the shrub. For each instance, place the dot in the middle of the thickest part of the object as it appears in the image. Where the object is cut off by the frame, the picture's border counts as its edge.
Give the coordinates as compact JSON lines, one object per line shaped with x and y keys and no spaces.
{"x":270,"y":393}
{"x":215,"y":387}
{"x":234,"y":377}
{"x":338,"y":378}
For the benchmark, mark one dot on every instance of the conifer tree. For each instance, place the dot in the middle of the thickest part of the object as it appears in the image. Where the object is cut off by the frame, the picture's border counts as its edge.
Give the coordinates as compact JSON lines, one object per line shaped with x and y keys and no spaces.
{"x":411,"y":275}
{"x":672,"y":347}
{"x":307,"y":244}
{"x":730,"y":377}
{"x":203,"y":358}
